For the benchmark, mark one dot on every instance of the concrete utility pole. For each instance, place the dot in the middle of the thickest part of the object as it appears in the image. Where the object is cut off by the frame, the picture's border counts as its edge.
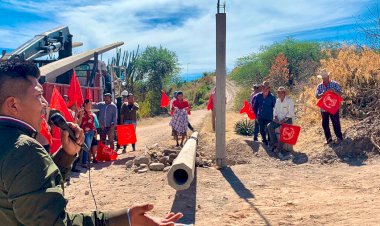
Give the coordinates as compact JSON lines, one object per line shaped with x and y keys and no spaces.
{"x":220,"y":95}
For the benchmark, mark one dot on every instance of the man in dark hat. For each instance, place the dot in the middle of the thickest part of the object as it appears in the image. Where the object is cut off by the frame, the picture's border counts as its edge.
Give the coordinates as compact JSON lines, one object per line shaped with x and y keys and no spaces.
{"x":256,"y":89}
{"x":263,"y":108}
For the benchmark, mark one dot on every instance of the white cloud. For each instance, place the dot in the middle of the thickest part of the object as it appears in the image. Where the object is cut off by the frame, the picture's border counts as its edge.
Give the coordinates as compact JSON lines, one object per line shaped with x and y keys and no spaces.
{"x":250,"y":24}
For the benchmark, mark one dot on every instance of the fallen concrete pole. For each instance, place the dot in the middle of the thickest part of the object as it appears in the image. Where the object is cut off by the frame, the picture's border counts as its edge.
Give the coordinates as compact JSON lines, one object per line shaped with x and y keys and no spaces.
{"x":181,"y":174}
{"x":53,"y":70}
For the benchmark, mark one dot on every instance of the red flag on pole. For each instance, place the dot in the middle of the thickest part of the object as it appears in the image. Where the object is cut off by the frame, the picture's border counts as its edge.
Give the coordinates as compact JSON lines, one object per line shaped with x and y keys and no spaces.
{"x":164,"y":100}
{"x":210,"y":104}
{"x":330,"y":102}
{"x":45,"y":131}
{"x":89,"y":94}
{"x":58,"y":103}
{"x":248,"y":110}
{"x":126,"y":134}
{"x":75,"y":93}
{"x":56,"y":140}
{"x":289,"y":133}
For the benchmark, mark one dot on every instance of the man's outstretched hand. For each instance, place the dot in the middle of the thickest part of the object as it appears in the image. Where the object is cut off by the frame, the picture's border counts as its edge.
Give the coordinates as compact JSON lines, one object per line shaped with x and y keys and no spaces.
{"x":139,"y":217}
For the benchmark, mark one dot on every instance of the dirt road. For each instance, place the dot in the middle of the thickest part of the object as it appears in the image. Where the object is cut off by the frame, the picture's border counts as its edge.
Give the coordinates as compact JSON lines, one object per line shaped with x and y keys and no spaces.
{"x":264,"y":191}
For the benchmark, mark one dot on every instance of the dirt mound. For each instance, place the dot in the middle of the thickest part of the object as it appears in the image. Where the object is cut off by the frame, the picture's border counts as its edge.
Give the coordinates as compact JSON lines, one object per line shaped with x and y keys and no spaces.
{"x":361,"y":139}
{"x":361,"y":143}
{"x":238,"y":152}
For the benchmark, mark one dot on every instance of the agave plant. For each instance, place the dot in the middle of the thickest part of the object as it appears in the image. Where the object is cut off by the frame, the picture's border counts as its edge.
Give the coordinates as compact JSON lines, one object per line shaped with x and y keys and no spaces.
{"x":244,"y":127}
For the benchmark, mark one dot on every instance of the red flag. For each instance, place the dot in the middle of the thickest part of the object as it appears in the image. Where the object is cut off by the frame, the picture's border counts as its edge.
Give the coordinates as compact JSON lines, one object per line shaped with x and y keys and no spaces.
{"x":58,"y":103}
{"x":45,"y":131}
{"x":289,"y":133}
{"x":126,"y":134}
{"x":164,"y":100}
{"x":105,"y":153}
{"x":330,"y":102}
{"x":75,"y":93}
{"x":210,"y":104}
{"x":248,"y":110}
{"x":89,"y":94}
{"x":56,"y":140}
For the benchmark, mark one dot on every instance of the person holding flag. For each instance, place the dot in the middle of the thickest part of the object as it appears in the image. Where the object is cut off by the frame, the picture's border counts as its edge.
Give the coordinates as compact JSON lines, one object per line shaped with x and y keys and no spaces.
{"x":179,"y":122}
{"x":325,"y":86}
{"x":30,"y":179}
{"x":128,"y":115}
{"x":283,"y":113}
{"x":175,"y":93}
{"x":211,"y":106}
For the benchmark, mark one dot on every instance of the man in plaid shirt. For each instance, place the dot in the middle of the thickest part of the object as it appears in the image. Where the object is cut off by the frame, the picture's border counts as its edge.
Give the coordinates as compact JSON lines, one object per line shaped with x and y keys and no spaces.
{"x":329,"y":85}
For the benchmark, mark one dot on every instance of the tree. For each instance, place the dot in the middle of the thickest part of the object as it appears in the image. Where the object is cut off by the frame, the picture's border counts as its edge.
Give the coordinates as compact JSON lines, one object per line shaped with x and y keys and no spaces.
{"x":279,"y":72}
{"x":369,"y":26}
{"x":256,"y":66}
{"x":158,"y":66}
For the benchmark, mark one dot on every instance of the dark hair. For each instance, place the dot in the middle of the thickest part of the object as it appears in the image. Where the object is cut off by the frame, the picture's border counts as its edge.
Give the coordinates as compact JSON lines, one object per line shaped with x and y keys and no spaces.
{"x":18,"y":69}
{"x":86,"y":101}
{"x":179,"y":93}
{"x":14,"y":72}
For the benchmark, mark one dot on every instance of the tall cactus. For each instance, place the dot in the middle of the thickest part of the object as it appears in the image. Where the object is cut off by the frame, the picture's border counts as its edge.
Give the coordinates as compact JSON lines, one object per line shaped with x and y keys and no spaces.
{"x":125,"y":63}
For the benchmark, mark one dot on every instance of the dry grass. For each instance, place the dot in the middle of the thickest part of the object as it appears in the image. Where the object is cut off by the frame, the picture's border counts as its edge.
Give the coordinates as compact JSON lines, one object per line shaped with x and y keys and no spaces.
{"x":358,"y":74}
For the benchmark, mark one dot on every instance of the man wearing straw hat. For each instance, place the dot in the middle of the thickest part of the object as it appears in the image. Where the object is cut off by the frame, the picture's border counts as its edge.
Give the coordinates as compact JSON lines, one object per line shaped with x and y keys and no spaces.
{"x":283,"y":113}
{"x":324,"y":86}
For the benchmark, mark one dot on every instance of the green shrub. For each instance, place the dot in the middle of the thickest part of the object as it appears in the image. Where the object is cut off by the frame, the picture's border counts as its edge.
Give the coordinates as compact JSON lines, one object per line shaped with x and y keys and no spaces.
{"x":244,"y":127}
{"x":243,"y":94}
{"x":144,"y":110}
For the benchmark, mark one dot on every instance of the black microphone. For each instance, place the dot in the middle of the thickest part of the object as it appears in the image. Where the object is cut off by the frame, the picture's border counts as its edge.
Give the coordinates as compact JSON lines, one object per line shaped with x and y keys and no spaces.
{"x":60,"y":122}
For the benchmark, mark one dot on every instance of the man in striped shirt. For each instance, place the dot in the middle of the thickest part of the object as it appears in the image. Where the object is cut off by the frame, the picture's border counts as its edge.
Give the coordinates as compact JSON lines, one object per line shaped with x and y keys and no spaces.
{"x":323,"y":87}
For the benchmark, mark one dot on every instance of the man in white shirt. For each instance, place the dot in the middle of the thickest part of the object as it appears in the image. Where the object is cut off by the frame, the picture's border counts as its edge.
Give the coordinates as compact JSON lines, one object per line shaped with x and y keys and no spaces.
{"x":283,"y":113}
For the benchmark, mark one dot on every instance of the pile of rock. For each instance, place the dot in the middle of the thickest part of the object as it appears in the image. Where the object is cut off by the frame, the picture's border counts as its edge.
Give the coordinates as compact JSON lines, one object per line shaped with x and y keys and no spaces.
{"x":160,"y":159}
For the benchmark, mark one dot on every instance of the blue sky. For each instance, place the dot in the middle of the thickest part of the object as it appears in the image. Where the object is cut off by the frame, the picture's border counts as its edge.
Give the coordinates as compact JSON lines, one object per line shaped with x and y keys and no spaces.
{"x":186,"y":27}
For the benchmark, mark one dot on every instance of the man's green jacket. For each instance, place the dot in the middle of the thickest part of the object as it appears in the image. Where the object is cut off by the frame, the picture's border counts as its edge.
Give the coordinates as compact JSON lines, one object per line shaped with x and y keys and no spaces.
{"x":29,"y":181}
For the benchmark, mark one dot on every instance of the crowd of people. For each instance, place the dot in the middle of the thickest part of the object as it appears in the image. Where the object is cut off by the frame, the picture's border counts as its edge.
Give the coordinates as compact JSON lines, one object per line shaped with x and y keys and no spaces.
{"x":98,"y":121}
{"x":102,"y":118}
{"x":272,"y":112}
{"x":31,"y":176}
{"x":30,"y":182}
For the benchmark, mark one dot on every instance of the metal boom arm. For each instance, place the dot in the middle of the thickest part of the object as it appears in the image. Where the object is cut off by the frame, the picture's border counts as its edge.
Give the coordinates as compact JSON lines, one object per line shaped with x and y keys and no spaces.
{"x":55,"y":40}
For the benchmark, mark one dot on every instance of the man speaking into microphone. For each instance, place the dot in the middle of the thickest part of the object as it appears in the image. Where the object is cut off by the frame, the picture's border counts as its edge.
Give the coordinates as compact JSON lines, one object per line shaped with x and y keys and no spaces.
{"x":29,"y":177}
